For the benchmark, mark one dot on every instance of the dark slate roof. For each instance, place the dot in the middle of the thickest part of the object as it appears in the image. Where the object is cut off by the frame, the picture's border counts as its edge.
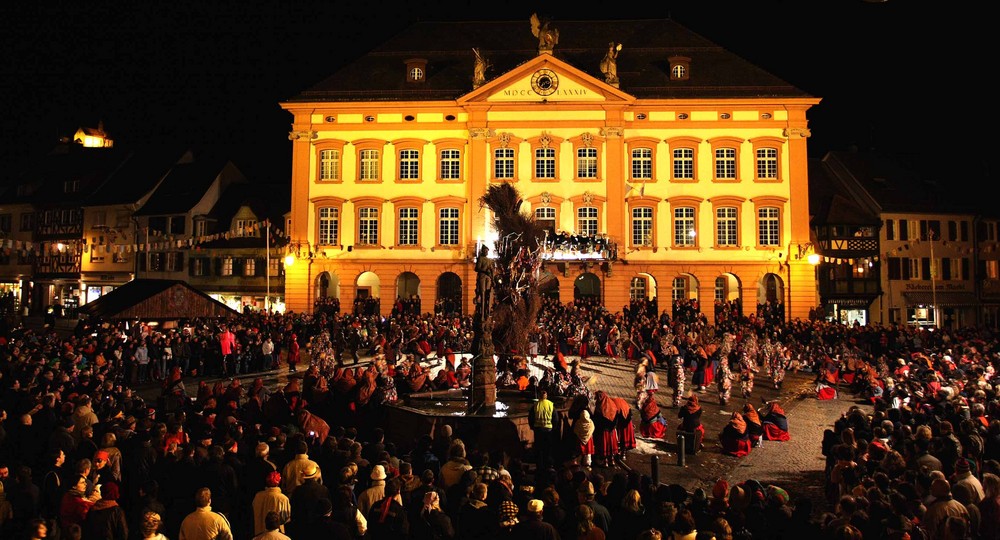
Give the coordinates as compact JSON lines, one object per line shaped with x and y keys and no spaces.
{"x":834,"y":200}
{"x":906,"y":183}
{"x":90,"y":166}
{"x":266,"y":201}
{"x":139,"y":174}
{"x":128,"y":301}
{"x":184,"y":186}
{"x":643,"y":65}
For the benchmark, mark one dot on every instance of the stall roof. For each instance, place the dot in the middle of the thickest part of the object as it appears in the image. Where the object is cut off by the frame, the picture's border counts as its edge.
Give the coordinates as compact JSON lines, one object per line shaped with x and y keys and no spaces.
{"x":156,"y":300}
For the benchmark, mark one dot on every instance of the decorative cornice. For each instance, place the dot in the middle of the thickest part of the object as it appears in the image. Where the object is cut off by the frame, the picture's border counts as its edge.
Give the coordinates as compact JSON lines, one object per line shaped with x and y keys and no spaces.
{"x":481,"y":133}
{"x":798,"y":133}
{"x":612,"y":132}
{"x":296,"y":135}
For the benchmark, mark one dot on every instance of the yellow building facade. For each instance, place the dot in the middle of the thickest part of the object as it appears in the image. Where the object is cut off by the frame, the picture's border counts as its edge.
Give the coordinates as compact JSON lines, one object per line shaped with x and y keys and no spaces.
{"x":705,"y":197}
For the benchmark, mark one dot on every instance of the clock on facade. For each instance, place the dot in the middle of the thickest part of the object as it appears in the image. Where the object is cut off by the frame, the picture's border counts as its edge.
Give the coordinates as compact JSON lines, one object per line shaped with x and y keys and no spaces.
{"x":544,"y":82}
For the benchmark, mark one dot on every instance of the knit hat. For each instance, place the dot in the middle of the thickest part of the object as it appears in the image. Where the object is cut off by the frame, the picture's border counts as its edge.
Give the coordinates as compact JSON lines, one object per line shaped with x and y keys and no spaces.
{"x":101,"y":454}
{"x":110,"y":492}
{"x":721,"y":489}
{"x":535,"y":506}
{"x":508,"y":514}
{"x":962,"y":466}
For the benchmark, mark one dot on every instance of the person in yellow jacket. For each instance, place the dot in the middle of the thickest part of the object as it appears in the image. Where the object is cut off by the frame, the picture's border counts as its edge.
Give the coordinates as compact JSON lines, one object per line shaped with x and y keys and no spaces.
{"x":542,"y":414}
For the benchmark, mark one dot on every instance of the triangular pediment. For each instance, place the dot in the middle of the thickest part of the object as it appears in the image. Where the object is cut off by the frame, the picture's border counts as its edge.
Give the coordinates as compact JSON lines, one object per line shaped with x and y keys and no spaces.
{"x":545,"y":78}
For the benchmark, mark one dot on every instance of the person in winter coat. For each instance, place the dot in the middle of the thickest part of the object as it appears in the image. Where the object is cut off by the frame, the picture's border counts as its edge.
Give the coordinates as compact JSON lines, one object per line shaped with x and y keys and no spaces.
{"x":387,"y":518}
{"x":432,"y":523}
{"x":106,"y":520}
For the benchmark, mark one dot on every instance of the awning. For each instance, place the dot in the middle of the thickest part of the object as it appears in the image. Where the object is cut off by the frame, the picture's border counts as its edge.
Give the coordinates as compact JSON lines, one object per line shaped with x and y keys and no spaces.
{"x":943,"y":298}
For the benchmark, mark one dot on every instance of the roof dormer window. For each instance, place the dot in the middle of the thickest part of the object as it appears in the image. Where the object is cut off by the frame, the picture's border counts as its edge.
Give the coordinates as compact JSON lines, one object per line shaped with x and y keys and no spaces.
{"x":680,"y":68}
{"x":416,"y":70}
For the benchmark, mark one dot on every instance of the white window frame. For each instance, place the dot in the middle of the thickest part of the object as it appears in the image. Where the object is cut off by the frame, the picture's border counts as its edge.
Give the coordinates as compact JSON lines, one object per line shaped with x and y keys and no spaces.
{"x":368,"y":222}
{"x":586,"y":162}
{"x":684,"y":226}
{"x":328,"y":226}
{"x":767,"y":163}
{"x":408,"y":226}
{"x":725,"y":163}
{"x":642,"y":163}
{"x":727,"y":226}
{"x":370,"y":164}
{"x":503,"y":164}
{"x":329,"y":164}
{"x":586,"y":220}
{"x":642,"y":226}
{"x":409,"y":164}
{"x":451,"y":164}
{"x":249,"y":267}
{"x":545,"y":163}
{"x":448,"y":226}
{"x":683,"y":163}
{"x":768,"y":226}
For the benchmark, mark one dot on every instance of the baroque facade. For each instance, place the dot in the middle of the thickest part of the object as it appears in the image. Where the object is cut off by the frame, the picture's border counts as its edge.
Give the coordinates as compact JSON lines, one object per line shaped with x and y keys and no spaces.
{"x":684,"y":162}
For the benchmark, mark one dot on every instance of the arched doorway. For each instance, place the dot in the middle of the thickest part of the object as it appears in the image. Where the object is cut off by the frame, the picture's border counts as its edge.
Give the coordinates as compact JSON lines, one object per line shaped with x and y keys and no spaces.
{"x":548,"y":285}
{"x":449,"y":294}
{"x":642,"y":294}
{"x":367,"y":294}
{"x":771,"y":298}
{"x":728,"y":300}
{"x":587,"y":286}
{"x":408,"y":293}
{"x":327,"y":293}
{"x":684,"y":297}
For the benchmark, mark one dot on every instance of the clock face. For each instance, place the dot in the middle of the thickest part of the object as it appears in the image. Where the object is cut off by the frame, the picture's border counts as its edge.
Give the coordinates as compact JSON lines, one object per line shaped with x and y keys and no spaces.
{"x":544,"y":82}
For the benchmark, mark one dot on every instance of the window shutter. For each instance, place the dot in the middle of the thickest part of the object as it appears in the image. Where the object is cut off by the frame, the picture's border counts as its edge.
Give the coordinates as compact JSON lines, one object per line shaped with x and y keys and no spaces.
{"x":179,"y":265}
{"x":191,"y":266}
{"x":925,"y":268}
{"x":261,"y":266}
{"x":218,"y":266}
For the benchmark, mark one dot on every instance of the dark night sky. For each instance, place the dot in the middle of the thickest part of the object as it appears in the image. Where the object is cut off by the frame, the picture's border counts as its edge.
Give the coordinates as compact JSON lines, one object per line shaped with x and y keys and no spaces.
{"x":215,"y":70}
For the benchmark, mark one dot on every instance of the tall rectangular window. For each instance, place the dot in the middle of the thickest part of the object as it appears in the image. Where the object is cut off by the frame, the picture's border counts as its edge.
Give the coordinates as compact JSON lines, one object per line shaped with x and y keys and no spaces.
{"x":369,"y":165}
{"x":368,"y":226}
{"x":586,"y":163}
{"x":768,"y":227}
{"x":642,"y":226}
{"x":767,"y":163}
{"x":249,"y":267}
{"x":642,"y":164}
{"x":451,"y":167}
{"x":586,"y":220}
{"x":227,"y":266}
{"x":726,"y":226}
{"x":678,"y":290}
{"x":329,"y":226}
{"x":409,"y":226}
{"x":545,"y":163}
{"x":637,"y":288}
{"x":329,"y":165}
{"x":503,"y":163}
{"x":545,"y":217}
{"x":684,"y":163}
{"x":409,"y":165}
{"x":448,"y":226}
{"x":725,"y":163}
{"x":684,"y":230}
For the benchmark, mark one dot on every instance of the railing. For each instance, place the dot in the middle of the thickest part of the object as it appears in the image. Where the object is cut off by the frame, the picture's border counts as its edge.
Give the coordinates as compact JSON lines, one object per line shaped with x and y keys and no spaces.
{"x":578,"y":247}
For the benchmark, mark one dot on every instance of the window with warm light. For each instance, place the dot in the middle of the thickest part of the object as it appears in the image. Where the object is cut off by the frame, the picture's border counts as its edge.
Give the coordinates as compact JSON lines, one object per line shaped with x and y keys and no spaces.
{"x":227,"y":266}
{"x":725,"y":164}
{"x":370,"y":164}
{"x":329,"y":164}
{"x":249,"y":267}
{"x":409,"y":165}
{"x":684,"y":229}
{"x":637,"y":288}
{"x":683,"y":163}
{"x":642,"y":164}
{"x":767,"y":164}
{"x":586,"y":221}
{"x":586,"y":163}
{"x":545,"y":217}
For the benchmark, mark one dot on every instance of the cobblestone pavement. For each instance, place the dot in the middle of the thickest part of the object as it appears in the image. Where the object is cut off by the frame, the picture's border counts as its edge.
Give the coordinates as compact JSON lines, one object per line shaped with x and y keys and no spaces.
{"x":796,"y":465}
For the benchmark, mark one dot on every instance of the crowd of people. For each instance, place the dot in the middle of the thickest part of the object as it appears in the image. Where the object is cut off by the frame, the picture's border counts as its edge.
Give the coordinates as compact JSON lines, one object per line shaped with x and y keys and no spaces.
{"x":83,"y":455}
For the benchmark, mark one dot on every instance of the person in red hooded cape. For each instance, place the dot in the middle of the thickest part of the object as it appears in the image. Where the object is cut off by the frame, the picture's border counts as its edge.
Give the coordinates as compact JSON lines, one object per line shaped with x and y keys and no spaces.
{"x":690,"y":415}
{"x":623,"y":425}
{"x":652,"y":424}
{"x":606,"y":446}
{"x":775,"y":422}
{"x":734,"y":438}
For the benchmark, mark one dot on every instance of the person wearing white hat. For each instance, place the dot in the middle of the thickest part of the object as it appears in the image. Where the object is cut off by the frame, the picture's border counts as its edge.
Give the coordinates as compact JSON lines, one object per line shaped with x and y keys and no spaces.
{"x":532,"y":526}
{"x":375,"y":491}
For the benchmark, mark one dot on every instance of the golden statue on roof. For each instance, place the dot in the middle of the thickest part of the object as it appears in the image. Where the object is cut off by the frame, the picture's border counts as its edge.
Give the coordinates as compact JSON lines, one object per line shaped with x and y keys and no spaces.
{"x":547,"y":37}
